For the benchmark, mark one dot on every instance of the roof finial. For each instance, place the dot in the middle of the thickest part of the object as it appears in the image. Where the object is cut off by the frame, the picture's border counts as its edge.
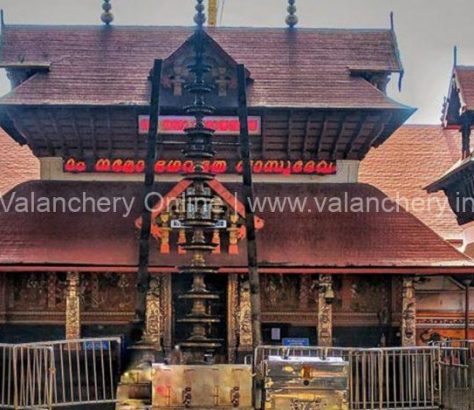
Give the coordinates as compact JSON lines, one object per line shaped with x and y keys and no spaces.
{"x":200,"y":17}
{"x":455,"y":56}
{"x":292,"y":18}
{"x":107,"y":17}
{"x":392,"y":21}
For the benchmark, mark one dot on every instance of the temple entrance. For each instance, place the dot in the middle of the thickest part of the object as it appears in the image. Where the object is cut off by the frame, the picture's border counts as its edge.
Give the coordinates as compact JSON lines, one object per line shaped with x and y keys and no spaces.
{"x":214,"y":317}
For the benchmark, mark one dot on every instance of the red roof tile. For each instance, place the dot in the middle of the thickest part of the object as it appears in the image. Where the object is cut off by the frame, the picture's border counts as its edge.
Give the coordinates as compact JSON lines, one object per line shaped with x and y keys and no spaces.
{"x":412,"y":158}
{"x":289,"y":239}
{"x":464,"y":76}
{"x":110,"y":65}
{"x":17,"y":164}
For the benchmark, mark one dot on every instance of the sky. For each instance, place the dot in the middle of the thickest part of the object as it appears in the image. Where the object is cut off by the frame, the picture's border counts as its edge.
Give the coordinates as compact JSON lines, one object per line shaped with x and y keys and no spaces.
{"x":427,"y":30}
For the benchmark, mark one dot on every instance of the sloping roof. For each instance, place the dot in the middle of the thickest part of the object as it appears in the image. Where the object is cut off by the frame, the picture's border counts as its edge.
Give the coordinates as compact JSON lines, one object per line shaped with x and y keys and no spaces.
{"x":17,"y":163}
{"x":464,"y":76}
{"x":324,"y":239}
{"x":412,"y":158}
{"x":99,"y":65}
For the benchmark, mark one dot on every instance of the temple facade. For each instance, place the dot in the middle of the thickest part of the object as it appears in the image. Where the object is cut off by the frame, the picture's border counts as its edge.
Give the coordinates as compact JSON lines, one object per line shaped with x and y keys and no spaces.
{"x":340,"y":262}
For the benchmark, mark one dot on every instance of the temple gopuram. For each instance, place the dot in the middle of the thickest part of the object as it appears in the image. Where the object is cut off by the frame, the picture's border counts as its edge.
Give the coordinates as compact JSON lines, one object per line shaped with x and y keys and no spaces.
{"x":339,"y":262}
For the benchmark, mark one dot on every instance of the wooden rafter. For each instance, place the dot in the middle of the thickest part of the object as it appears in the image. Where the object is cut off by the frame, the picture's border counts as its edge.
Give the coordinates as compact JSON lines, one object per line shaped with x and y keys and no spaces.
{"x":109,"y":132}
{"x":290,"y":133}
{"x":323,"y":132}
{"x":77,"y":135}
{"x":305,"y":152}
{"x":54,"y":120}
{"x":340,"y":133}
{"x":385,"y":119}
{"x":359,"y":130}
{"x":93,"y":132}
{"x":38,"y":120}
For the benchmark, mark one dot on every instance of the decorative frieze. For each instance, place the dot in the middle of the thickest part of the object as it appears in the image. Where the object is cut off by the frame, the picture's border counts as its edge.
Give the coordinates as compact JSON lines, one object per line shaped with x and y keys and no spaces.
{"x":245,"y":318}
{"x":232,"y":316}
{"x":153,"y":324}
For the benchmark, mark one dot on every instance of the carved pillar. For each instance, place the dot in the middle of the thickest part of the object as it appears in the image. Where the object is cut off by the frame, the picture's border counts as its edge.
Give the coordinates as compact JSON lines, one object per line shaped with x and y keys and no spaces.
{"x":408,"y":313}
{"x":73,"y":309}
{"x":232,"y":311}
{"x":153,"y":322}
{"x":325,"y":298}
{"x":166,"y":308}
{"x":245,"y":318}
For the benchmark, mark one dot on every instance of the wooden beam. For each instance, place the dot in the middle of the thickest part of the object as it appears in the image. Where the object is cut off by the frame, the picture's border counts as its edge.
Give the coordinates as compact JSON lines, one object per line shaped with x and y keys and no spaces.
{"x":385,"y":120}
{"x":321,"y":135}
{"x":254,"y":278}
{"x":290,"y":133}
{"x":93,"y":132}
{"x":53,"y":118}
{"x":340,"y":133}
{"x":77,"y":135}
{"x":109,"y":132}
{"x":66,"y":150}
{"x":356,"y":135}
{"x":305,"y":154}
{"x":37,"y":117}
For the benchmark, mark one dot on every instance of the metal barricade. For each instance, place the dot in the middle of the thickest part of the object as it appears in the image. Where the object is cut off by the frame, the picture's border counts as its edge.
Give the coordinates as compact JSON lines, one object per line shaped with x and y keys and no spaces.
{"x":60,"y":373}
{"x":388,"y":378}
{"x":456,"y":362}
{"x":6,"y":377}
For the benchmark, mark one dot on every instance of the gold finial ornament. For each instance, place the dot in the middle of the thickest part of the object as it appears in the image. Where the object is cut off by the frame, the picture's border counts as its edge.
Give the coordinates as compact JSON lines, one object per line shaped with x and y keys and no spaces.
{"x":107,"y":17}
{"x":292,"y":18}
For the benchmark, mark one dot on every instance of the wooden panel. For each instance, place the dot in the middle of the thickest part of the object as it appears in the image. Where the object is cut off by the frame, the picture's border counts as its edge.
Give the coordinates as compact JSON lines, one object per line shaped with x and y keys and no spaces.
{"x":286,"y":134}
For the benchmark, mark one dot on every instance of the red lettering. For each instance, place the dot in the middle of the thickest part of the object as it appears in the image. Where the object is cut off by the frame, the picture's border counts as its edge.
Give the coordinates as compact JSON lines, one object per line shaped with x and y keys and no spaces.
{"x":140,"y":166}
{"x":70,"y":165}
{"x":160,"y":167}
{"x":117,"y":165}
{"x":80,"y":166}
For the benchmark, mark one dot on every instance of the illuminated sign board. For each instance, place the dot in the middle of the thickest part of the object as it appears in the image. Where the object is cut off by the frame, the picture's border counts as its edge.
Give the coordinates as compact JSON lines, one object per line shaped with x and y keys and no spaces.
{"x":176,"y":124}
{"x":130,"y":166}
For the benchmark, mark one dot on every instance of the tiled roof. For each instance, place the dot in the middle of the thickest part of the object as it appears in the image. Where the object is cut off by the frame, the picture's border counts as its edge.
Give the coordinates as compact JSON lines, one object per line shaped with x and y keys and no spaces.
{"x":412,"y":158}
{"x":110,"y":65}
{"x":17,"y":163}
{"x":321,"y":239}
{"x":465,"y":81}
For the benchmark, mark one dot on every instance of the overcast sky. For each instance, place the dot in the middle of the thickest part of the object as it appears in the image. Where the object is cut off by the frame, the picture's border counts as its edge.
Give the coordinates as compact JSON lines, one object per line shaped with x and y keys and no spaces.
{"x":427,"y":30}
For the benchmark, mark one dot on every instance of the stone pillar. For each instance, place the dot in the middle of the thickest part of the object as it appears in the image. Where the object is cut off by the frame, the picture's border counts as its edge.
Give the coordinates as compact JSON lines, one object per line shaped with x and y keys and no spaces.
{"x":245,"y":318}
{"x":153,"y":323}
{"x":325,"y":299}
{"x":408,"y":313}
{"x":73,"y":306}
